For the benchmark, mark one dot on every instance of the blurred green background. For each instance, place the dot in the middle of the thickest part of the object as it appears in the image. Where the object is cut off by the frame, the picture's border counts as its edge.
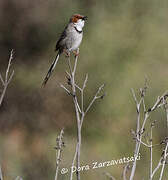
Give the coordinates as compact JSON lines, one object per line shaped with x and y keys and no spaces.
{"x":124,"y":42}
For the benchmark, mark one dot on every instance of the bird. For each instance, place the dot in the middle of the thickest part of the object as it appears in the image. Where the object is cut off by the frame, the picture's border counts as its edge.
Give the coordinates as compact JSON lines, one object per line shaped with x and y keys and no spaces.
{"x":69,"y":41}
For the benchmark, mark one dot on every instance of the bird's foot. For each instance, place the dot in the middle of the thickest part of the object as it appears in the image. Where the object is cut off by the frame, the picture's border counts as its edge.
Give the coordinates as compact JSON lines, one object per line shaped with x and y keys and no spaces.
{"x":67,"y":53}
{"x":76,"y":53}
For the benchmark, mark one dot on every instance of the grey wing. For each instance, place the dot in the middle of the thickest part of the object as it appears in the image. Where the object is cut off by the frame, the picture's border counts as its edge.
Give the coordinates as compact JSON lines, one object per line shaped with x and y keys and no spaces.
{"x":60,"y":44}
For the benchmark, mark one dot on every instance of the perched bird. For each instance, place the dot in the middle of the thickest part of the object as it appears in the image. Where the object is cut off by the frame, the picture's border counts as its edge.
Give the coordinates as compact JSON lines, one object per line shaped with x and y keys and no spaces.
{"x":69,"y":40}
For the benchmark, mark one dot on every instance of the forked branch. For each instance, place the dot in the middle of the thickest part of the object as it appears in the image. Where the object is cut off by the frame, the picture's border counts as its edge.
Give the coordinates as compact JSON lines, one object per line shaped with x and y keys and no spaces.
{"x":7,"y":79}
{"x":80,"y":111}
{"x":143,"y":115}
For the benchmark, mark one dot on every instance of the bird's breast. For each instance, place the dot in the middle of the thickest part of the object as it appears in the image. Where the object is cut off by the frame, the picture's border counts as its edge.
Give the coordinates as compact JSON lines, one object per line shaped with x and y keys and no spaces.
{"x":75,"y":40}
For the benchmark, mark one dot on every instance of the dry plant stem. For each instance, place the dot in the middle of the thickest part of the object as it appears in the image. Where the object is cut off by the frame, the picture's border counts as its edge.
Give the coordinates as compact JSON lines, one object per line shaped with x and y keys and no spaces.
{"x":138,"y":143}
{"x":167,"y":116}
{"x":78,"y":146}
{"x":77,"y":118}
{"x":125,"y":171}
{"x":73,"y":162}
{"x":166,"y":110}
{"x":164,"y":161}
{"x":157,"y":167}
{"x":161,"y":162}
{"x":151,"y":153}
{"x":1,"y":176}
{"x":80,"y":112}
{"x":58,"y":152}
{"x":72,"y":76}
{"x":5,"y":82}
{"x":139,"y":130}
{"x":95,"y":97}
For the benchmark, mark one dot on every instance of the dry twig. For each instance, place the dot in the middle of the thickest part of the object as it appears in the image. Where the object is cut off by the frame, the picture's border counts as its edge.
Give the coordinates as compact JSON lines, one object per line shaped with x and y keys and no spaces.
{"x":80,"y":111}
{"x":1,"y":176}
{"x":126,"y":168}
{"x":140,"y":129}
{"x":59,"y":146}
{"x":8,"y":77}
{"x":5,"y":82}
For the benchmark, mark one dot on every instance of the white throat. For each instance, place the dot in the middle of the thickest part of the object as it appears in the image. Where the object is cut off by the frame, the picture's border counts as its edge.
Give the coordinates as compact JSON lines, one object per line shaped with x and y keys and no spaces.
{"x":80,"y":24}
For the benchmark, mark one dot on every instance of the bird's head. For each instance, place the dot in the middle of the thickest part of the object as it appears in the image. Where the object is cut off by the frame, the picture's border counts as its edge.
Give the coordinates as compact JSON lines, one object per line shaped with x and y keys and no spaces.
{"x":78,"y":21}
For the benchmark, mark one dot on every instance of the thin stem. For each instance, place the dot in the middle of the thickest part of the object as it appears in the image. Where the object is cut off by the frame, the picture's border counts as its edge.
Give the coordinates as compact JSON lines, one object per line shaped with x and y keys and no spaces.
{"x":3,"y":83}
{"x":167,"y":118}
{"x":138,"y":129}
{"x":75,"y":65}
{"x":125,"y":171}
{"x":151,"y":153}
{"x":58,"y":152}
{"x":138,"y":143}
{"x":157,"y":167}
{"x":82,"y":93}
{"x":94,"y":98}
{"x":164,"y":161}
{"x":73,"y":162}
{"x":6,"y":81}
{"x":70,"y":67}
{"x":160,"y":161}
{"x":66,"y":90}
{"x":72,"y":74}
{"x":79,"y":108}
{"x":9,"y":64}
{"x":166,"y":110}
{"x":3,"y":94}
{"x":1,"y":176}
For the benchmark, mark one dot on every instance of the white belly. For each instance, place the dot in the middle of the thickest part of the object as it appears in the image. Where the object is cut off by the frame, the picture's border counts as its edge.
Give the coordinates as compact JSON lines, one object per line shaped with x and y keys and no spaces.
{"x":76,"y":41}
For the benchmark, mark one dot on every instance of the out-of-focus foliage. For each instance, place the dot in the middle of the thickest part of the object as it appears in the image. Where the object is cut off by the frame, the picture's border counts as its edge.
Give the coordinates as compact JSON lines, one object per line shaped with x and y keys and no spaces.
{"x":124,"y":42}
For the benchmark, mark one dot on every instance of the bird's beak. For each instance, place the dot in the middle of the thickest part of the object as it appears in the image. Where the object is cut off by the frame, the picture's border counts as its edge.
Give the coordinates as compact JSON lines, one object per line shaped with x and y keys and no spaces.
{"x":85,"y":18}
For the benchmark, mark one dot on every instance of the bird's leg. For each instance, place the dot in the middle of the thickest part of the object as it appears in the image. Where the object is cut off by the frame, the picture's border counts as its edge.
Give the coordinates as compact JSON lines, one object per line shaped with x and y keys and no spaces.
{"x":67,"y":53}
{"x":76,"y":53}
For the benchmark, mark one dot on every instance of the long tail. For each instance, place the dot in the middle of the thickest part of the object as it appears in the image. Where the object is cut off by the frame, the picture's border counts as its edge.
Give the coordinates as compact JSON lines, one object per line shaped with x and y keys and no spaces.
{"x":51,"y":69}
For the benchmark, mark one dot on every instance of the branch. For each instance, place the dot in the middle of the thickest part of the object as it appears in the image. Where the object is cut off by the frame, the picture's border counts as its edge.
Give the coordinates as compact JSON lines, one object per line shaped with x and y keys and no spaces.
{"x":66,"y":90}
{"x":5,"y":82}
{"x":95,"y":97}
{"x":140,"y":141}
{"x":1,"y":176}
{"x":151,"y":151}
{"x":161,"y":101}
{"x":59,"y":146}
{"x":72,"y":83}
{"x":73,"y":162}
{"x":126,"y":167}
{"x":82,"y":93}
{"x":79,"y":107}
{"x":166,"y":110}
{"x":138,"y":131}
{"x":164,"y":161}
